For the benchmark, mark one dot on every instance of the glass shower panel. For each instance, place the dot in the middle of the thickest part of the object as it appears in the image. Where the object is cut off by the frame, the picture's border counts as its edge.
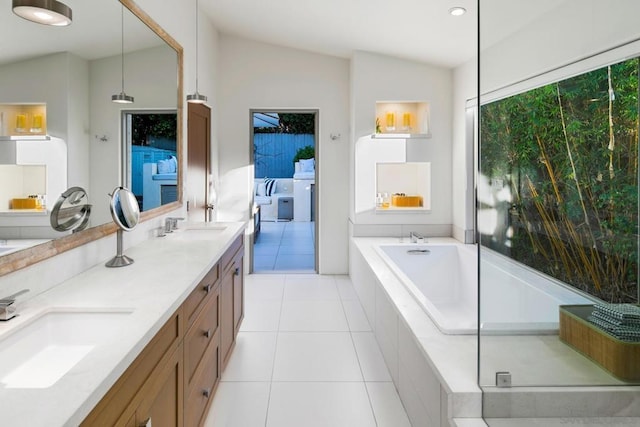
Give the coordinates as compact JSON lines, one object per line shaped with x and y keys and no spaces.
{"x":557,"y":191}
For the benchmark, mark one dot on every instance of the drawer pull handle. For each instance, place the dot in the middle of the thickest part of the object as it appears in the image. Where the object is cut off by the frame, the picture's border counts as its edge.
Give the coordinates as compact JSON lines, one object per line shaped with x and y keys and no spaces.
{"x":207,"y":333}
{"x":206,"y":393}
{"x":236,"y":272}
{"x":206,"y":289}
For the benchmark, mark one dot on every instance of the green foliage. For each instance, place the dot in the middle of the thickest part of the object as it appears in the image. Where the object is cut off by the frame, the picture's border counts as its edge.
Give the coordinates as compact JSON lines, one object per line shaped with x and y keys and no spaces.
{"x":296,"y":123}
{"x":574,"y":196}
{"x":306,"y":152}
{"x":153,"y":125}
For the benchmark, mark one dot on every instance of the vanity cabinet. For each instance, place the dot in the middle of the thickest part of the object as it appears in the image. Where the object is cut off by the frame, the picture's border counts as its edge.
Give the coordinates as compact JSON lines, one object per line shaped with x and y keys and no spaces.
{"x":172,"y":382}
{"x":202,"y":356}
{"x":232,"y":297}
{"x":238,"y":290}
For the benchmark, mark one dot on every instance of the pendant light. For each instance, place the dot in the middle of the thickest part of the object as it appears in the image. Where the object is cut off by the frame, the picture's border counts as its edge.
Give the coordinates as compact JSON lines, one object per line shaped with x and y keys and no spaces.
{"x":196,"y":98}
{"x":47,"y":12}
{"x":122,"y":97}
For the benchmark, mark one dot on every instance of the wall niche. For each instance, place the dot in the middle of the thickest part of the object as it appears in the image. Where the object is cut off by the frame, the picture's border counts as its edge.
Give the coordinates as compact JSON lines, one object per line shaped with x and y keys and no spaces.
{"x":403,"y":187}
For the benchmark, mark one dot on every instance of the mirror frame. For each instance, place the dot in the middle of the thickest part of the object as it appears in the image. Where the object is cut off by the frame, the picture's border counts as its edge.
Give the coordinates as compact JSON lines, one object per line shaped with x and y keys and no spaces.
{"x":27,"y":257}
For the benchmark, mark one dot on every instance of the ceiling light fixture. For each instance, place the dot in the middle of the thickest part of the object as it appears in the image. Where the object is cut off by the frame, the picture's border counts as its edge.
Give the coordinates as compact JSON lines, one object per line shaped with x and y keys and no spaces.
{"x":47,"y":12}
{"x":196,"y":98}
{"x":457,"y":11}
{"x":122,"y":97}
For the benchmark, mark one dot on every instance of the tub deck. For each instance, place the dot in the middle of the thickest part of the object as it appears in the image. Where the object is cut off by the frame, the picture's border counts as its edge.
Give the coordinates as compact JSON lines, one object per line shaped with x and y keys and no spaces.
{"x":536,"y":362}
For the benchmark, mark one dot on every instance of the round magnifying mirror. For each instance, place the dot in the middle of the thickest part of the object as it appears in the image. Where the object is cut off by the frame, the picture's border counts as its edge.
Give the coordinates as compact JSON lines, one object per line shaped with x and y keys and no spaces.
{"x":126,"y":214}
{"x":124,"y":208}
{"x":71,"y":211}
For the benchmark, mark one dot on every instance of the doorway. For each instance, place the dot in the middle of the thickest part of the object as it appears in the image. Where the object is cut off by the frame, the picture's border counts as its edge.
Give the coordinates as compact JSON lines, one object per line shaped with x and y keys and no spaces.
{"x":284,"y":157}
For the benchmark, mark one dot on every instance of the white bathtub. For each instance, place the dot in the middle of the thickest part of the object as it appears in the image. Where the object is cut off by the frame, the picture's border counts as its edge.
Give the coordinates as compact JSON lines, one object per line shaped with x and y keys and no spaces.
{"x":443,"y":280}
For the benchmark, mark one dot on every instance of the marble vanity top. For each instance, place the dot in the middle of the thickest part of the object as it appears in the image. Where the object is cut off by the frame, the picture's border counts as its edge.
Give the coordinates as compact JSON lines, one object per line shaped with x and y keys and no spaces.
{"x":127,"y":307}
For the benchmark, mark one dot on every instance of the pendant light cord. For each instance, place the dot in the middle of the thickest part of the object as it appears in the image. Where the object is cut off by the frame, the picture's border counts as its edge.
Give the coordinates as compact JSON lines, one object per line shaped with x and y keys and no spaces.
{"x":196,"y":46}
{"x":122,"y":44}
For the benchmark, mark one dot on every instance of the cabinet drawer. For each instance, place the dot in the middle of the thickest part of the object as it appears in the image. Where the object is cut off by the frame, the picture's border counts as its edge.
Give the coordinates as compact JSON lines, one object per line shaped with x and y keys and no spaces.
{"x":198,"y":297}
{"x":203,"y":332}
{"x":229,"y":255}
{"x":200,"y":394}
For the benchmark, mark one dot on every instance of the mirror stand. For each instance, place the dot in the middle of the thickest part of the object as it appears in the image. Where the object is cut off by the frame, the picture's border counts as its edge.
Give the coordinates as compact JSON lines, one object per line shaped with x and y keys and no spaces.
{"x":126,"y":214}
{"x":120,"y":260}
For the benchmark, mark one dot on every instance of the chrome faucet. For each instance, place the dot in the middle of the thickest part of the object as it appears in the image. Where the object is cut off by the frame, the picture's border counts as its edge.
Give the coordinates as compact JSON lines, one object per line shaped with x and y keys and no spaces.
{"x":7,"y":309}
{"x":171,"y":223}
{"x":416,"y":238}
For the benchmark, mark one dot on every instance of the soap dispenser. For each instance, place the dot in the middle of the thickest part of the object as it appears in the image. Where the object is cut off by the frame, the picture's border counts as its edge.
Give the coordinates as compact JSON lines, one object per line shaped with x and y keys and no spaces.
{"x":379,"y":200}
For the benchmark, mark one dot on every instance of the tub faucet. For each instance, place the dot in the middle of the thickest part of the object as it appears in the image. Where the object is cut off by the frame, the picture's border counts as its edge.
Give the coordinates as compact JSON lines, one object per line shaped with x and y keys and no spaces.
{"x":416,"y":238}
{"x":7,"y":309}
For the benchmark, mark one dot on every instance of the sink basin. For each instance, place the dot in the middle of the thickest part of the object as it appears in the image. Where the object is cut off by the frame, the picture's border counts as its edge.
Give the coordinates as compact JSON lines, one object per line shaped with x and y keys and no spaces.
{"x":40,"y":352}
{"x":202,"y":232}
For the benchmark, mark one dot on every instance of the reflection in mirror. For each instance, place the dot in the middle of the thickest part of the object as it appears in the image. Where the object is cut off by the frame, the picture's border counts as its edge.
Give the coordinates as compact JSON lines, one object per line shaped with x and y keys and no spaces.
{"x":69,"y":77}
{"x":150,"y":162}
{"x":71,"y":211}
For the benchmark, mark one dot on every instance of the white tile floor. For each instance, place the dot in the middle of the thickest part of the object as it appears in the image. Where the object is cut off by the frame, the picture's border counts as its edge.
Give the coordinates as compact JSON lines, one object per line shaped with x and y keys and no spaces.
{"x":285,"y":246}
{"x":305,"y":356}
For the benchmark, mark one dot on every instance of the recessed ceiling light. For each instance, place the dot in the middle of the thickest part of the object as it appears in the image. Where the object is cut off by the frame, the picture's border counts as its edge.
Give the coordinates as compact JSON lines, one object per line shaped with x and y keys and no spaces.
{"x":457,"y":11}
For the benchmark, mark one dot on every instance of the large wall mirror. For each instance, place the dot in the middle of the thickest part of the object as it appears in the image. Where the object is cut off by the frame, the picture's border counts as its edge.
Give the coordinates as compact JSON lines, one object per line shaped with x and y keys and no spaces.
{"x":67,"y":76}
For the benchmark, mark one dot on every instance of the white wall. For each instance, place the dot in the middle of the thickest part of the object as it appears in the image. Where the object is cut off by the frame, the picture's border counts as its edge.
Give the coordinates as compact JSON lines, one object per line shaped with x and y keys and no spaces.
{"x":254,"y":75}
{"x":382,"y":78}
{"x":77,"y":123}
{"x":465,"y":87}
{"x":572,"y":31}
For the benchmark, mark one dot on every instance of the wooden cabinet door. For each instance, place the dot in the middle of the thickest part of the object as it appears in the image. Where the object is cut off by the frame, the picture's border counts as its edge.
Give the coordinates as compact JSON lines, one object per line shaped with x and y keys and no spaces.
{"x":162,"y":404}
{"x":238,"y":292}
{"x":227,"y":325}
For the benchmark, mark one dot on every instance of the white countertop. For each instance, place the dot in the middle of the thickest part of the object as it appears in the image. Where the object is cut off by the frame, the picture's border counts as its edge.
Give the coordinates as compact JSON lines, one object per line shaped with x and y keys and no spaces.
{"x":164,"y":272}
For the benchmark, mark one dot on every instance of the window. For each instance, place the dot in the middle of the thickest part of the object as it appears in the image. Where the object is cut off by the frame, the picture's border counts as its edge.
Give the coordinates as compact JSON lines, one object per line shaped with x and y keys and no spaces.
{"x":151,"y":156}
{"x":558,"y":182}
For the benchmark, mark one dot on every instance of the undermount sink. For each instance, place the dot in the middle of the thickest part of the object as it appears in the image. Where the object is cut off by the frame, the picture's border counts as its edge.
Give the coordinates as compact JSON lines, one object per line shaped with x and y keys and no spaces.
{"x":40,"y":352}
{"x":199,"y":232}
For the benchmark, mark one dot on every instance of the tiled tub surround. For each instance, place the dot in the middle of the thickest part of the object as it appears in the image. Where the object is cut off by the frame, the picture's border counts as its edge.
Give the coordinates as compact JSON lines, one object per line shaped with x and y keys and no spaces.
{"x":164,"y":273}
{"x":436,"y":374}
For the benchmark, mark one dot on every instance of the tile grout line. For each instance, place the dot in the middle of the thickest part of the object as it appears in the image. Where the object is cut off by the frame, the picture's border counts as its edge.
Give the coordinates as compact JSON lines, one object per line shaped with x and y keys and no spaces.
{"x":281,"y":239}
{"x":353,"y":343}
{"x":275,"y":353}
